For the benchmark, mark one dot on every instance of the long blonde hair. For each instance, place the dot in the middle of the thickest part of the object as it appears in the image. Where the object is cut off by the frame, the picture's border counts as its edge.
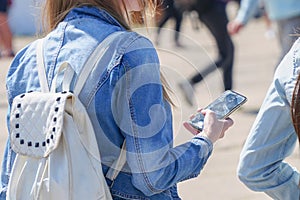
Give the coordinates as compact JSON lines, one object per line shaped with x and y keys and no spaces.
{"x":56,"y":10}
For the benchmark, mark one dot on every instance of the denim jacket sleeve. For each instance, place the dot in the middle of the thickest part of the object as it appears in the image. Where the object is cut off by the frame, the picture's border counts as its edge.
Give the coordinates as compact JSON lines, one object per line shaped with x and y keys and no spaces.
{"x":272,"y":137}
{"x":145,"y":120}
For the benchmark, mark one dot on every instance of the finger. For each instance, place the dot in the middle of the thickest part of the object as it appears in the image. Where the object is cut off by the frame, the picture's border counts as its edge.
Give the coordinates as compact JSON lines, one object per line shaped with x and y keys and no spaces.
{"x":208,"y":112}
{"x":204,"y":111}
{"x":229,"y":122}
{"x":222,"y":134}
{"x":199,"y":109}
{"x":192,"y":116}
{"x":190,"y":128}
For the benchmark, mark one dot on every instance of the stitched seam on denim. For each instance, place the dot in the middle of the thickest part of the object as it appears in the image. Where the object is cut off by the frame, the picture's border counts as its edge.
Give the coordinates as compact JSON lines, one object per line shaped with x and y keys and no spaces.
{"x":135,"y":133}
{"x":122,"y":45}
{"x":188,"y":177}
{"x":129,"y":196}
{"x":9,"y":159}
{"x":136,"y":137}
{"x":296,"y":60}
{"x":55,"y":56}
{"x":99,"y":84}
{"x":285,"y":144}
{"x":10,"y":98}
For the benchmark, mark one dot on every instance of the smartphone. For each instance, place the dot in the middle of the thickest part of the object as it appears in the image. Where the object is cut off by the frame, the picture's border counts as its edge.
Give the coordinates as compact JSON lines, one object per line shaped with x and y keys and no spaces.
{"x":223,"y":106}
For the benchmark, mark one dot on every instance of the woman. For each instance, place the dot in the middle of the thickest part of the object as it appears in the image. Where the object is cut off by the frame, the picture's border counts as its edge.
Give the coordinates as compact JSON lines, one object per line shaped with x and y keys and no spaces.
{"x":120,"y":97}
{"x":213,"y":14}
{"x":273,"y":136}
{"x":169,"y":11}
{"x":284,"y":14}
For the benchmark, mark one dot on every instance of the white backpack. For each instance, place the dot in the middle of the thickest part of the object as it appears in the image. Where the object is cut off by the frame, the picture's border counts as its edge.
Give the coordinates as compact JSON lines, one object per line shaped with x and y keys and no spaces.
{"x":51,"y":132}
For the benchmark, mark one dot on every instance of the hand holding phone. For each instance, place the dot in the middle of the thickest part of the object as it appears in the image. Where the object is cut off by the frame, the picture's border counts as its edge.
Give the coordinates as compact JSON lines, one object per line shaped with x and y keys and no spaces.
{"x":213,"y":128}
{"x":223,"y":106}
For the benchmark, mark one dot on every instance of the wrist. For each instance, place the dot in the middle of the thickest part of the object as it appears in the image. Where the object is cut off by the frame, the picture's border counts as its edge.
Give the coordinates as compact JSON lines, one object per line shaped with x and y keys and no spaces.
{"x":205,"y":138}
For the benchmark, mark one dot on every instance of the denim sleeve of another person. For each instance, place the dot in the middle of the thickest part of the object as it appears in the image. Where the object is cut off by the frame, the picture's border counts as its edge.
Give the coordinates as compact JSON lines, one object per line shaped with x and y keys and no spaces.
{"x":273,"y":138}
{"x":145,"y":119}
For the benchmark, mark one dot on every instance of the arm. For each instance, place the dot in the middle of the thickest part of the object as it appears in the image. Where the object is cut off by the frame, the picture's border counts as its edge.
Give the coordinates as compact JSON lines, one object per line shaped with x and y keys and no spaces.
{"x":272,"y":139}
{"x":145,"y":119}
{"x":245,"y":13}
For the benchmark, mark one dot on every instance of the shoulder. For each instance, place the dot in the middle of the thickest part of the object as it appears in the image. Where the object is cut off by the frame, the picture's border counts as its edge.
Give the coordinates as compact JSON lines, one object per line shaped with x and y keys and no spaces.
{"x":140,"y":50}
{"x":136,"y":41}
{"x":21,"y":69}
{"x":289,"y":67}
{"x":288,"y":70}
{"x":140,"y":59}
{"x":23,"y":57}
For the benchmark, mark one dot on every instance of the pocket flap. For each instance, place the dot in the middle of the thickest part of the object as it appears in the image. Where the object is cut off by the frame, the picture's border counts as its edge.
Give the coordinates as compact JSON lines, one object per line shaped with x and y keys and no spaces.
{"x":36,"y":122}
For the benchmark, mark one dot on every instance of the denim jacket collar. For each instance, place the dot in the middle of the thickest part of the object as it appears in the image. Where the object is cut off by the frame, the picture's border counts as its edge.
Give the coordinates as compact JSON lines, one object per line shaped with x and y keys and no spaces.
{"x":87,"y":11}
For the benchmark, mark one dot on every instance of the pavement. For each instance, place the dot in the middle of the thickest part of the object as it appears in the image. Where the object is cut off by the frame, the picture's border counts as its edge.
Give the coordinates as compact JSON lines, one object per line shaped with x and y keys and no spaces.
{"x":255,"y":61}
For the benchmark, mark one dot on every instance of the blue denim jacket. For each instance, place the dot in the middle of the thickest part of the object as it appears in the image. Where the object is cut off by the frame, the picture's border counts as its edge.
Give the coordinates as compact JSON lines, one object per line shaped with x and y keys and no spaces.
{"x":273,"y":137}
{"x":124,"y":99}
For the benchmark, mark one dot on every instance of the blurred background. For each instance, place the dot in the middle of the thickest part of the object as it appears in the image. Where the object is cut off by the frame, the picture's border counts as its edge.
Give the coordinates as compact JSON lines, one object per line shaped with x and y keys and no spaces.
{"x":256,"y":55}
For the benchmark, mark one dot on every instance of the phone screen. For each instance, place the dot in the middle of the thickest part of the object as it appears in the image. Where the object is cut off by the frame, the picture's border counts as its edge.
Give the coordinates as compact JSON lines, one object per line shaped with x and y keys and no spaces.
{"x":223,"y":106}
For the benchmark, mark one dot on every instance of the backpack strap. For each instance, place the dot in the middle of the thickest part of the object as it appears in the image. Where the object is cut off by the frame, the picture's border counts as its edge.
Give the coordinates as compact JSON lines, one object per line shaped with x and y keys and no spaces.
{"x":68,"y":72}
{"x":88,"y":67}
{"x":93,"y":60}
{"x":82,"y":77}
{"x":118,"y":164}
{"x":40,"y":66}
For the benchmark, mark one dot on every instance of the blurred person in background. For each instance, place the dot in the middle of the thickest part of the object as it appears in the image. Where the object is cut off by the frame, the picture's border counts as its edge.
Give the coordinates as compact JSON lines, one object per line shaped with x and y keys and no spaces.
{"x":284,"y":13}
{"x":212,"y":13}
{"x":5,"y":33}
{"x":169,"y":10}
